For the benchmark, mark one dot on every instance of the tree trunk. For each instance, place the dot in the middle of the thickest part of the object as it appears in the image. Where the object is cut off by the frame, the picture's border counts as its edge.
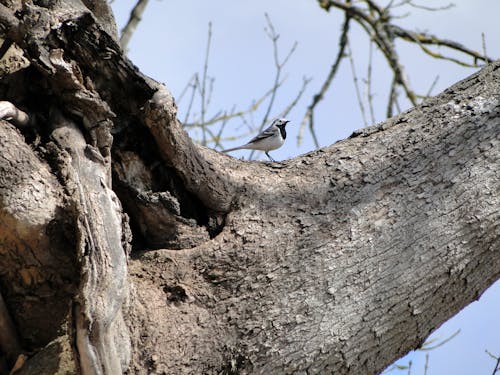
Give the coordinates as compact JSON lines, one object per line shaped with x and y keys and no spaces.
{"x":338,"y":261}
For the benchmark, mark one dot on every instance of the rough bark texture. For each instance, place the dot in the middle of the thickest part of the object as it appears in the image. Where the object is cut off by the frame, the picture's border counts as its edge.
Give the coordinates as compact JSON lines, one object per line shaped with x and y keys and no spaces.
{"x":338,"y":261}
{"x":341,"y":260}
{"x":37,"y":267}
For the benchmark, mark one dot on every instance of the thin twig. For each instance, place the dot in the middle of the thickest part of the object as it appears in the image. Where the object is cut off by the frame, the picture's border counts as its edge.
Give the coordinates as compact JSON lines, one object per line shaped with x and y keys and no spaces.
{"x":369,"y":95}
{"x":491,"y":354}
{"x":211,"y":82}
{"x":253,"y":107}
{"x":433,"y":84}
{"x":274,"y":36}
{"x":497,"y":364}
{"x":356,"y":85}
{"x":432,"y":9}
{"x":221,"y":129}
{"x":426,"y":345}
{"x":204,"y":88}
{"x":184,"y":90}
{"x":271,"y":32}
{"x":279,"y":66}
{"x":194,"y":86}
{"x":204,"y":100}
{"x":483,"y":38}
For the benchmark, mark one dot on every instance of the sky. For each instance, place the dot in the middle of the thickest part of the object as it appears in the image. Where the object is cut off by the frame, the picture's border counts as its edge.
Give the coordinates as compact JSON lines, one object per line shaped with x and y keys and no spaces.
{"x":170,"y":45}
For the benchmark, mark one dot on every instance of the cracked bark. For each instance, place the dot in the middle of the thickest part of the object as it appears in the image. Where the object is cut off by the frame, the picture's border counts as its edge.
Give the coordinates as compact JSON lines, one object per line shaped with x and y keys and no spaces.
{"x":339,"y":261}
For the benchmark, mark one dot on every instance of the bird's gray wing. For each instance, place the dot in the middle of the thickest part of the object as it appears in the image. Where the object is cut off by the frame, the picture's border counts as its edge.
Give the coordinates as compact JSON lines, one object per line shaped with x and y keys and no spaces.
{"x":269,"y":132}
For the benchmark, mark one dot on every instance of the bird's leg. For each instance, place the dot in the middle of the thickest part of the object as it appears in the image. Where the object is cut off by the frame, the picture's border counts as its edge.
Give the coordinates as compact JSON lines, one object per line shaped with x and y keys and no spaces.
{"x":270,"y":158}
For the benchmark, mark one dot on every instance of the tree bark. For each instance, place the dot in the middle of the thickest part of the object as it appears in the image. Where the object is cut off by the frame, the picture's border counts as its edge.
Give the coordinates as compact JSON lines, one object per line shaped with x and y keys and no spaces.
{"x":338,"y":261}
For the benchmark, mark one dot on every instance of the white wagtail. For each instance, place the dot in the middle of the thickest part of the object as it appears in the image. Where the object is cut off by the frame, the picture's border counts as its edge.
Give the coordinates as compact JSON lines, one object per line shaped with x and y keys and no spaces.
{"x":270,"y":139}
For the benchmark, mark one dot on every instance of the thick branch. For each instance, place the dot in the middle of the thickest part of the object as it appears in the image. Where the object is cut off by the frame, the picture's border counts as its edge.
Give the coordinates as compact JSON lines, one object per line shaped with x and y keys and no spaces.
{"x":198,"y":167}
{"x":348,"y":257}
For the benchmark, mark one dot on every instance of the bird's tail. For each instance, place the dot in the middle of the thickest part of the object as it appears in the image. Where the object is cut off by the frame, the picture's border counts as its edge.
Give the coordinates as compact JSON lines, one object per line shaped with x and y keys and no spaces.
{"x":232,"y":149}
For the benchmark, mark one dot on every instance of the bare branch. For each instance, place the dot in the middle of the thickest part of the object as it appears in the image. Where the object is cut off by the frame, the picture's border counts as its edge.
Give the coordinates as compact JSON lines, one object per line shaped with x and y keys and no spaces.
{"x":385,"y":42}
{"x":377,"y":28}
{"x":205,"y":88}
{"x":356,"y":85}
{"x":222,"y":127}
{"x":133,"y":21}
{"x":309,"y":115}
{"x":274,"y":36}
{"x":376,"y":21}
{"x":491,"y":354}
{"x":271,"y":32}
{"x":422,"y":39}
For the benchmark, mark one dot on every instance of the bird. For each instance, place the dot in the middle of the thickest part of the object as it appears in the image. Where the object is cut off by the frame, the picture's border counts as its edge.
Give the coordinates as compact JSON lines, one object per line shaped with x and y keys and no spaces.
{"x":268,"y":140}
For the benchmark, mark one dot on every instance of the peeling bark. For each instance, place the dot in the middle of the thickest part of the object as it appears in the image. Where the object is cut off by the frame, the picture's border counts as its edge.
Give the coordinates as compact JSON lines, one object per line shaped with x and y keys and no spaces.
{"x":339,"y":261}
{"x":101,"y":338}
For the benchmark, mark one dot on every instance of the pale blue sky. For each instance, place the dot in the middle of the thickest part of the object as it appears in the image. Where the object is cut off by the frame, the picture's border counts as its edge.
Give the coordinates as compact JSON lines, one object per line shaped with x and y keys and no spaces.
{"x":169,"y":45}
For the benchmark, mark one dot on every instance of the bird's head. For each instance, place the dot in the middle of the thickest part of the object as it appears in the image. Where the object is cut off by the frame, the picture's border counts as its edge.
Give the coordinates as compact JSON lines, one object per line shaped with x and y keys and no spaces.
{"x":280,"y":122}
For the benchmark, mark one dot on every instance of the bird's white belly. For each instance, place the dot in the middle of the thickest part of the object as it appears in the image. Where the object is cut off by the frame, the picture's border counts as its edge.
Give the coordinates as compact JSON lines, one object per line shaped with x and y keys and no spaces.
{"x":268,"y":144}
